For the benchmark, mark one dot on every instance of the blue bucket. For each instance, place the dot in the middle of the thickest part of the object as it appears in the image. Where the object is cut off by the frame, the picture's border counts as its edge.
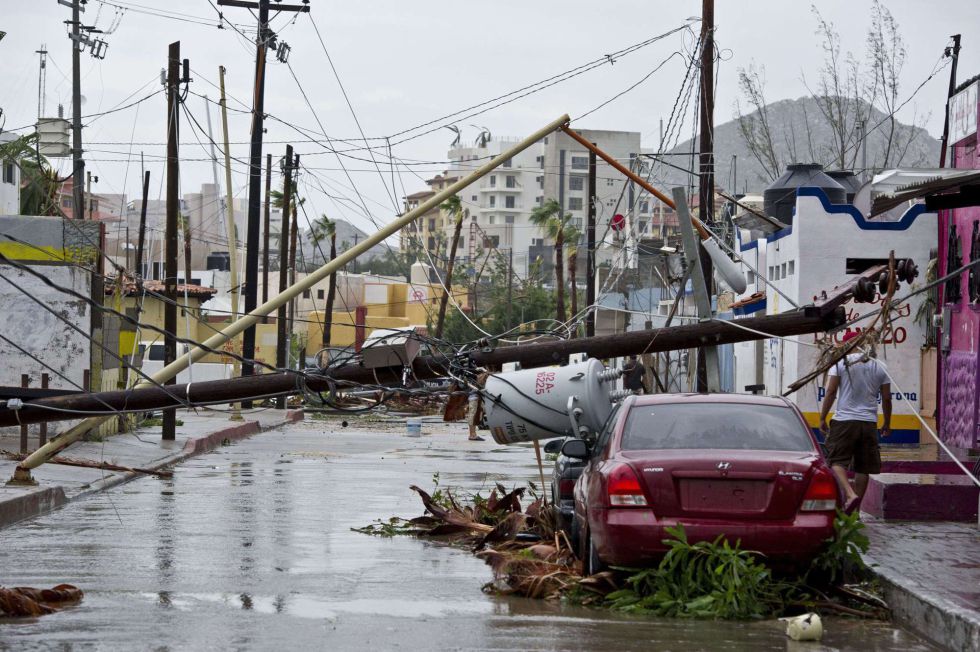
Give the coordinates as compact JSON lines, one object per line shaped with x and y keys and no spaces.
{"x":413,"y":428}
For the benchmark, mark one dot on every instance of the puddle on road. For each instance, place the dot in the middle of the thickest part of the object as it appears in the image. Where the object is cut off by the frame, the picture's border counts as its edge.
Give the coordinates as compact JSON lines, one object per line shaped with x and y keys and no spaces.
{"x":303,"y":606}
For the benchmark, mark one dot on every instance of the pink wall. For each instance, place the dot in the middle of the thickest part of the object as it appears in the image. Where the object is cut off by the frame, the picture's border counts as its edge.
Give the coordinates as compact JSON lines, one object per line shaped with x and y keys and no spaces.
{"x":959,"y":367}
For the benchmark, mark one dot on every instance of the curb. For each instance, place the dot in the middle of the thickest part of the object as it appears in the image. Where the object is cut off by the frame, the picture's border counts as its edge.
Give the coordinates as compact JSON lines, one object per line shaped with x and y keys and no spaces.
{"x":33,"y":501}
{"x":930,"y":616}
{"x":38,"y":501}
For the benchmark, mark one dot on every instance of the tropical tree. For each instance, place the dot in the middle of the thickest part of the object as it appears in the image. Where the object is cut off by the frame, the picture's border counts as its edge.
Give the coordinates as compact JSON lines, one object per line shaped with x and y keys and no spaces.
{"x":321,"y":229}
{"x":454,"y":207}
{"x":548,"y":217}
{"x":39,"y":181}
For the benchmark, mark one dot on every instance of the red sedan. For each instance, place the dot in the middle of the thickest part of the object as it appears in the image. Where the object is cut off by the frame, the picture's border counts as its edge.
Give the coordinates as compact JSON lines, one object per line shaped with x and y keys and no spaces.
{"x":744,"y":466}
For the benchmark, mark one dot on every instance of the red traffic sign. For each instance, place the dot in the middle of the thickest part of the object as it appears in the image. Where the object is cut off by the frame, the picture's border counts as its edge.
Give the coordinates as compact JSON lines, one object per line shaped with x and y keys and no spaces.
{"x":618,"y":222}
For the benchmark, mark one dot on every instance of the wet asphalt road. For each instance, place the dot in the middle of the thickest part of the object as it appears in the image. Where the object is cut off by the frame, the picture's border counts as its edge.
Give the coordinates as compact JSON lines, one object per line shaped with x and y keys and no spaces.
{"x":250,"y":548}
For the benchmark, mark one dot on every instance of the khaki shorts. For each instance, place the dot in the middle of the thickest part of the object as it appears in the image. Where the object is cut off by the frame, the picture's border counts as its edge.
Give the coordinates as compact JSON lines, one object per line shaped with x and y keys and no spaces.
{"x":854,"y":444}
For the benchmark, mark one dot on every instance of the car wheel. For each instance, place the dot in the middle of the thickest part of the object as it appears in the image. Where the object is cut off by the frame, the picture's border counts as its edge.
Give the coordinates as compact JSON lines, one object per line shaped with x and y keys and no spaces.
{"x":593,"y":564}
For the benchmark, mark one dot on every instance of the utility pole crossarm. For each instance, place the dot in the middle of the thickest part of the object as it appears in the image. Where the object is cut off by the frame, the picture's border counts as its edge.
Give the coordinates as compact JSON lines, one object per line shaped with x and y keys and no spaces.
{"x":241,"y":4}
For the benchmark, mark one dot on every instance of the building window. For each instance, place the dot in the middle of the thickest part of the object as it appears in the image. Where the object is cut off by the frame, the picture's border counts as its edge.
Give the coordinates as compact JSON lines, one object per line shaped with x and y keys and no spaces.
{"x":8,"y":172}
{"x":432,"y":244}
{"x":509,"y":202}
{"x":574,"y":203}
{"x":540,"y":181}
{"x":306,"y":294}
{"x":537,"y":242}
{"x":66,"y":202}
{"x":432,"y":224}
{"x":509,"y":219}
{"x":493,"y":182}
{"x":771,"y":277}
{"x":576,"y":183}
{"x":494,"y":241}
{"x":506,"y":164}
{"x":491,"y":220}
{"x":493,"y":201}
{"x":539,"y":160}
{"x":644,"y":207}
{"x":580,"y":162}
{"x":577,"y":223}
{"x":783,"y":271}
{"x":792,"y":267}
{"x":319,"y":294}
{"x":474,"y":199}
{"x":510,"y":181}
{"x":750,"y":277}
{"x":539,"y":200}
{"x":610,"y":182}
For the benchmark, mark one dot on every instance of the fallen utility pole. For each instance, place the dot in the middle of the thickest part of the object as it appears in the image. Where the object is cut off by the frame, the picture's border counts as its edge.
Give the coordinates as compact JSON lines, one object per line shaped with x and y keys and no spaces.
{"x":22,"y":474}
{"x":811,"y":319}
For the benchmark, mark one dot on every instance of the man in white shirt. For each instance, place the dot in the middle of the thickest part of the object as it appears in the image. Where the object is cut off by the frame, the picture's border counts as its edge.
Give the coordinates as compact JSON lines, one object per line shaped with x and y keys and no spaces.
{"x":852,"y":436}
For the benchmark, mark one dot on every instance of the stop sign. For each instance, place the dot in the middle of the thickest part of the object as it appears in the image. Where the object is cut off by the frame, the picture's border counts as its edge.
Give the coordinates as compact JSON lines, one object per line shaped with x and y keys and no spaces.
{"x":618,"y":222}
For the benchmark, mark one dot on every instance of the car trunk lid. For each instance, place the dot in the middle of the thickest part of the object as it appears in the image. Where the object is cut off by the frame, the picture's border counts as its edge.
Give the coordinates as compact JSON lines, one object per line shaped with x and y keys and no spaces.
{"x":766,"y":485}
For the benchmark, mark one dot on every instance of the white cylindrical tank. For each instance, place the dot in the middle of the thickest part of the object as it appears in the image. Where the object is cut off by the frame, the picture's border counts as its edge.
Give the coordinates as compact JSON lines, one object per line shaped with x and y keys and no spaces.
{"x":533,"y":404}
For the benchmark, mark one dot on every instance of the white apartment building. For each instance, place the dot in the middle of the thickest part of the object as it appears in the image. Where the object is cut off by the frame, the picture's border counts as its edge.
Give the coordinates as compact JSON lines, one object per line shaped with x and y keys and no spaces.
{"x":499,"y":206}
{"x":9,"y":182}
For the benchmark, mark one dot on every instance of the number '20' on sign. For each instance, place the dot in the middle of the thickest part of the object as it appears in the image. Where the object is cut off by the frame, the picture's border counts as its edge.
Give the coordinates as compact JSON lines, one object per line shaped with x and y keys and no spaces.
{"x":544,"y":382}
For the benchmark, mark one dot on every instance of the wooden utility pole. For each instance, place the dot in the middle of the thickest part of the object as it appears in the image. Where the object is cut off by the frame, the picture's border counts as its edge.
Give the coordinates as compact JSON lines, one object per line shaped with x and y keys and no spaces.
{"x":287,"y":194}
{"x":810,"y":319}
{"x":293,"y":237}
{"x":954,"y":53}
{"x":138,"y":265}
{"x":262,"y":39}
{"x":170,"y":242}
{"x":265,"y":228}
{"x":447,"y":290}
{"x":78,"y":163}
{"x":706,"y":180}
{"x":590,"y":246}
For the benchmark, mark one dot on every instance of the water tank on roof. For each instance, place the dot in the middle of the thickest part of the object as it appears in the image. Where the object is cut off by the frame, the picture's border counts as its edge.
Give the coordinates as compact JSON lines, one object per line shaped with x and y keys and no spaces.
{"x":219,"y":260}
{"x":849,"y":180}
{"x":780,"y":197}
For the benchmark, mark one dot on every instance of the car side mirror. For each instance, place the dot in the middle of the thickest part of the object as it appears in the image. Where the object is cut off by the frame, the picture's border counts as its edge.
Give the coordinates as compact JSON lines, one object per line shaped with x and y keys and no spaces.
{"x":553,"y":446}
{"x":576,"y":449}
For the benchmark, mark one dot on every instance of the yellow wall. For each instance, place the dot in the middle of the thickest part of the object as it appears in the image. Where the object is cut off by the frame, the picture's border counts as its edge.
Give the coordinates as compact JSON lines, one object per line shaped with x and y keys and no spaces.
{"x":396,"y":312}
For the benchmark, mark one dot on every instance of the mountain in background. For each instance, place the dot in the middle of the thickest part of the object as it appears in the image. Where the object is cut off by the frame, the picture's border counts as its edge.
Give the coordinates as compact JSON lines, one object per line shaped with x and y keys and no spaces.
{"x":800,"y":134}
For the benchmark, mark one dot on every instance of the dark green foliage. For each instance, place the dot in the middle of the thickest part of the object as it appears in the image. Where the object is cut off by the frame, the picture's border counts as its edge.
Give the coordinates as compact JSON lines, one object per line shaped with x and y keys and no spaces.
{"x":720,"y":580}
{"x":701,"y":580}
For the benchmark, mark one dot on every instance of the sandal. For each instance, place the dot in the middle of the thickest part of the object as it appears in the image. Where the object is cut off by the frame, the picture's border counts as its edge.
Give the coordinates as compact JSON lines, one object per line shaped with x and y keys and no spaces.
{"x":477,"y":438}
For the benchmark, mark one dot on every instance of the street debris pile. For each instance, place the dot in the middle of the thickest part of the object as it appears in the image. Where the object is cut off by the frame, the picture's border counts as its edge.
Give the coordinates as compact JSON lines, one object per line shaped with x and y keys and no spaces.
{"x":27,"y":601}
{"x":531,"y":557}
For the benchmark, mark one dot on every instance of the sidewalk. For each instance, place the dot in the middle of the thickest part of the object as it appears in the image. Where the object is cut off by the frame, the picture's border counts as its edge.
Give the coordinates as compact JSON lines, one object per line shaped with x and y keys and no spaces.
{"x":930,"y":574}
{"x":58,"y":484}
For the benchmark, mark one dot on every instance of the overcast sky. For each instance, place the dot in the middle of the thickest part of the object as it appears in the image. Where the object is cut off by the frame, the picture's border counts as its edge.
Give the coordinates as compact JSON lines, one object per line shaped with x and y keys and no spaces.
{"x":406,"y":63}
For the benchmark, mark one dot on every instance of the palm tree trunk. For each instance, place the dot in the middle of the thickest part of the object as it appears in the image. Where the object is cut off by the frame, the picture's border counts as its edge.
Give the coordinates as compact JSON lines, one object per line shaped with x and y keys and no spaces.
{"x":331,"y":295}
{"x":449,"y":276}
{"x":560,"y":276}
{"x":572,"y":264}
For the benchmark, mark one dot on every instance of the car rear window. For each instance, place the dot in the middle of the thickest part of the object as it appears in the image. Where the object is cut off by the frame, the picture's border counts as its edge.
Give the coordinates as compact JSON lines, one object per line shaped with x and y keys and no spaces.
{"x":736,"y":426}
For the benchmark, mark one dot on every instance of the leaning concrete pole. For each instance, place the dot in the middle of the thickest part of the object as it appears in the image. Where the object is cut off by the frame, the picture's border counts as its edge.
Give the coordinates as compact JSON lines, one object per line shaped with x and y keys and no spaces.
{"x":22,"y":474}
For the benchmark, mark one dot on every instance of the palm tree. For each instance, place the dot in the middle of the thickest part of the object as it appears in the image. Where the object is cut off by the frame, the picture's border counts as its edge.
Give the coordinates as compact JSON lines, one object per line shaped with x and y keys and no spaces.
{"x":572,"y":238}
{"x":553,"y":224}
{"x":327,"y":228}
{"x":454,"y":207}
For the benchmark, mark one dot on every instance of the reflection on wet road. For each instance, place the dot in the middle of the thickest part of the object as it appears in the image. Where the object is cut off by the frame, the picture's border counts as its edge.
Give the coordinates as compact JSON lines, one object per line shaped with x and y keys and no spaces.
{"x":250,"y":548}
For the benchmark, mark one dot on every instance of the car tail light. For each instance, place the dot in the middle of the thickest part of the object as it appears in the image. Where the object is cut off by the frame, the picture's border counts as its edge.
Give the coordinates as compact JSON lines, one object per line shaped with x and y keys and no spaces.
{"x":566,"y":487}
{"x":623,"y":488}
{"x":821,"y":495}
